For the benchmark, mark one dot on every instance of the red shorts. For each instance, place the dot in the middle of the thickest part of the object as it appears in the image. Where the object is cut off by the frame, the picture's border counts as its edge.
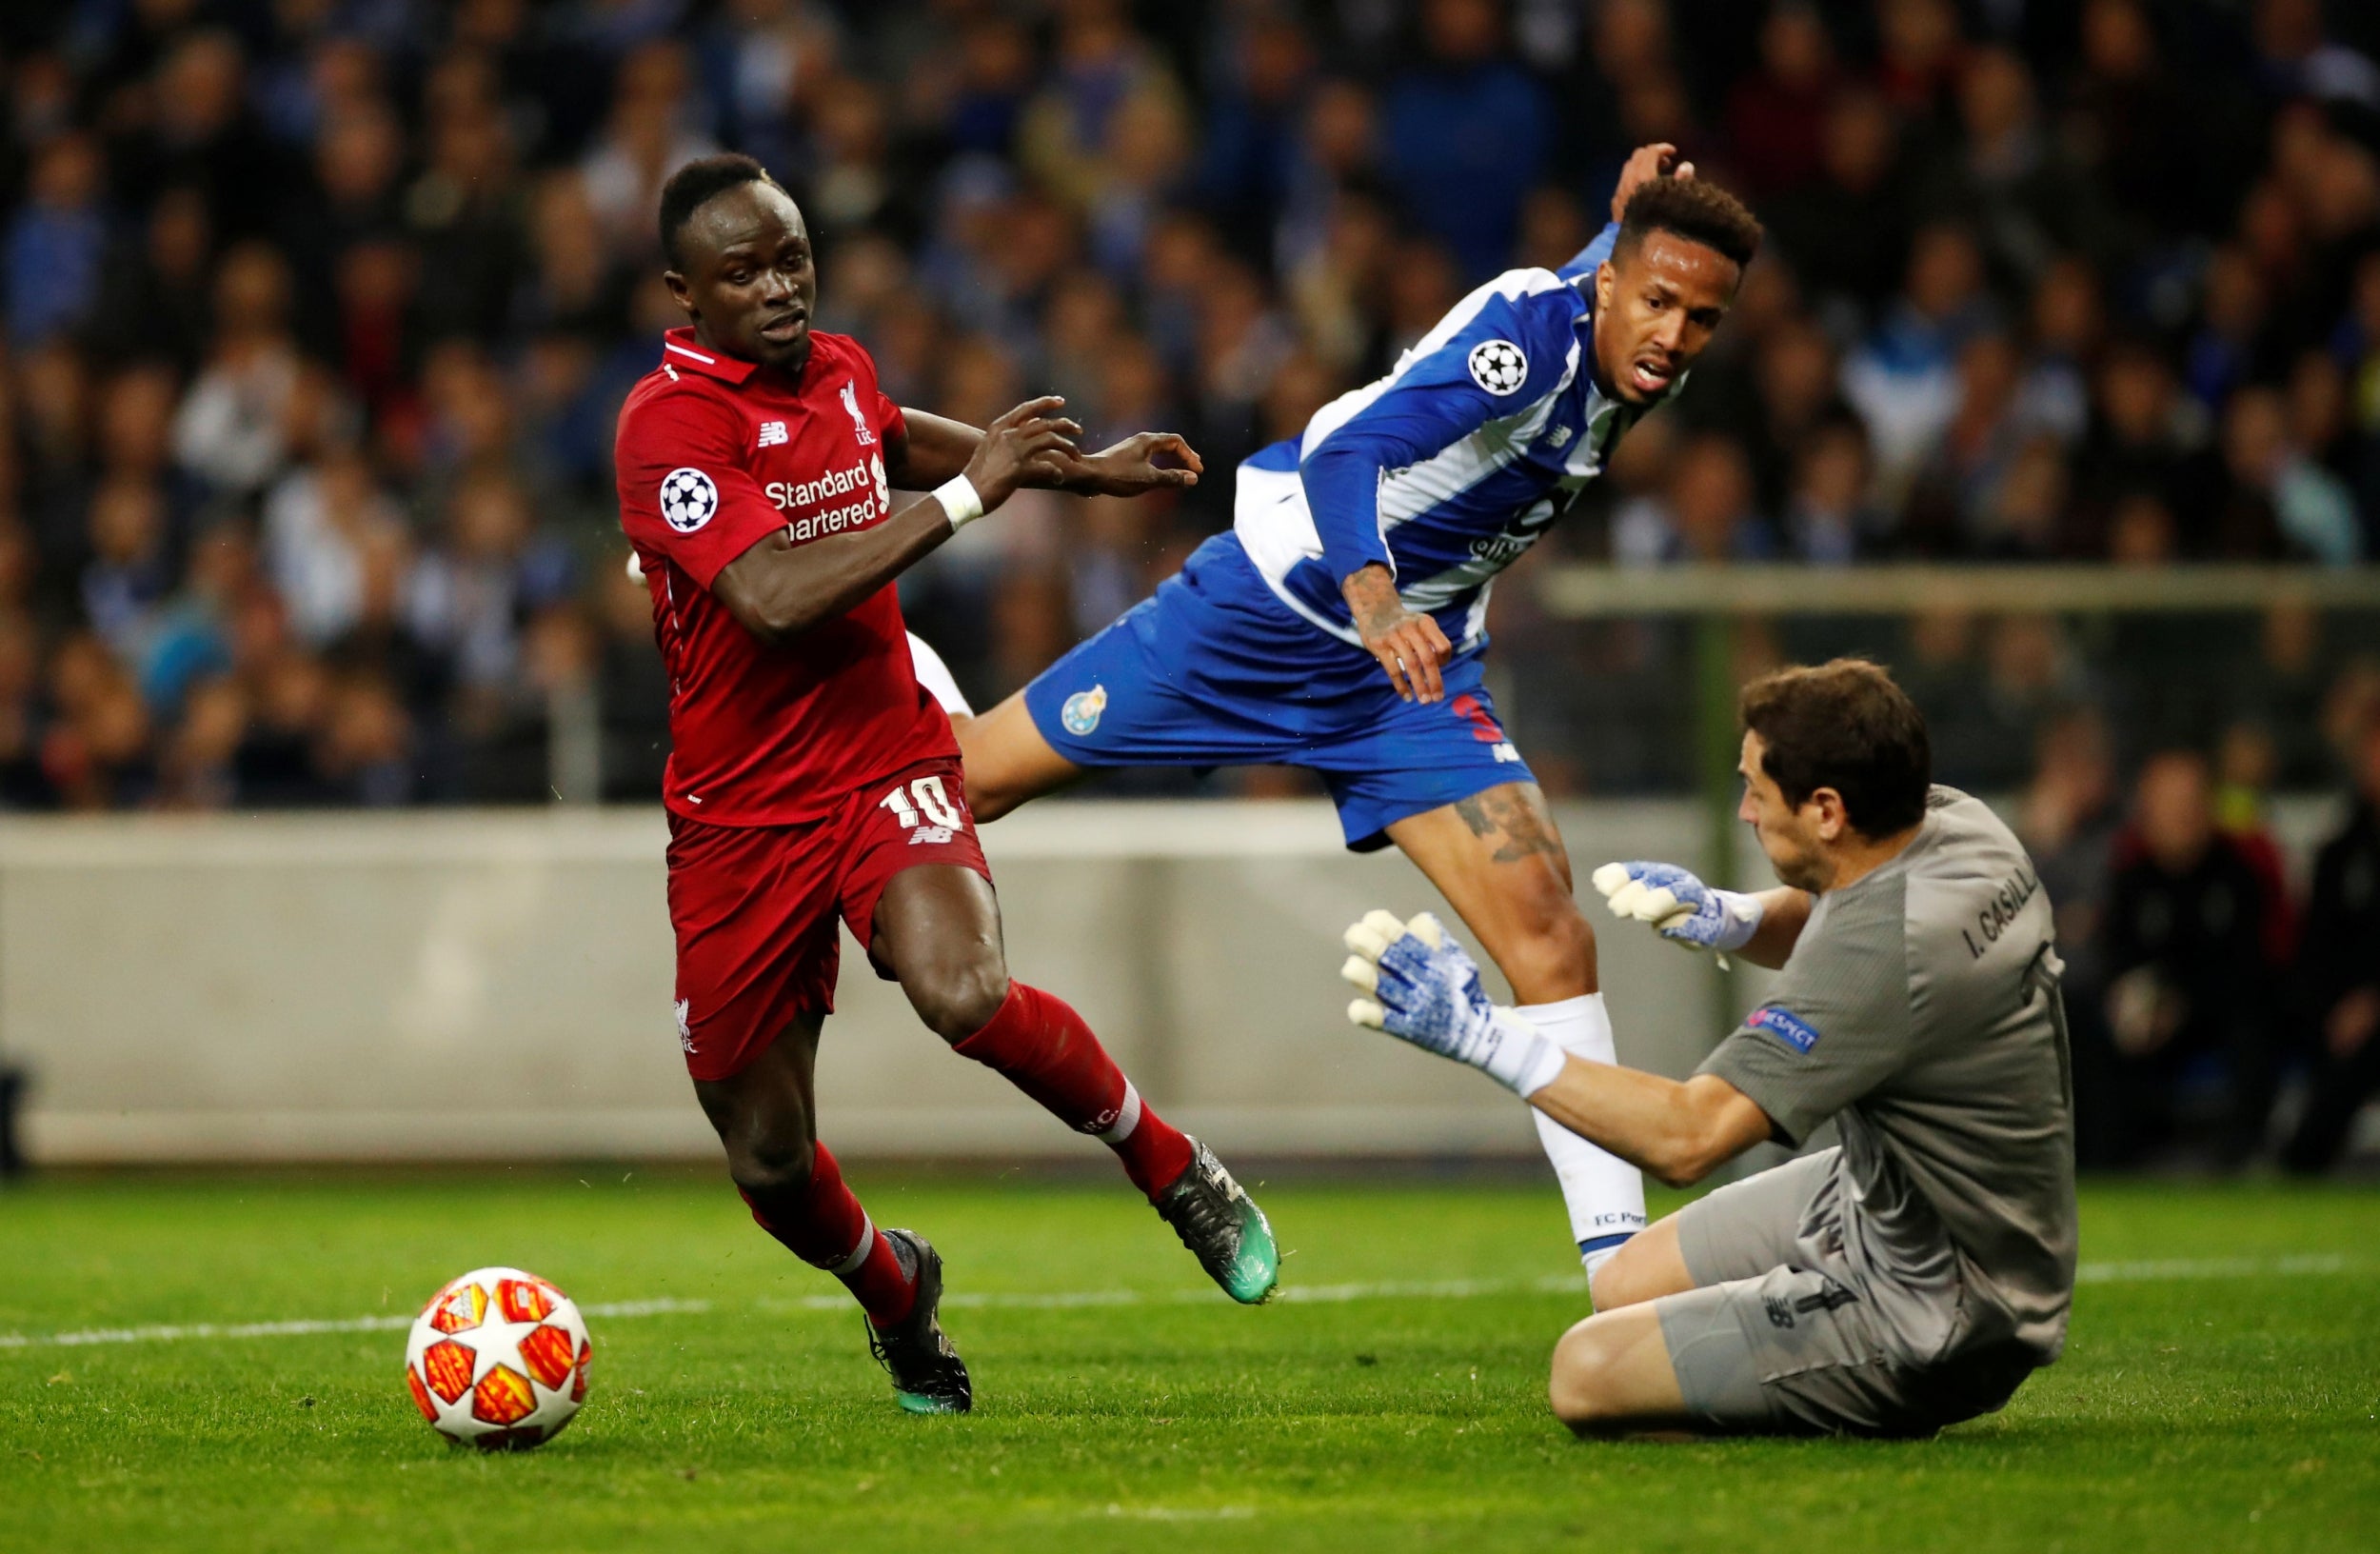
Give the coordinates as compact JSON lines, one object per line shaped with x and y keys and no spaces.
{"x":754,"y":906}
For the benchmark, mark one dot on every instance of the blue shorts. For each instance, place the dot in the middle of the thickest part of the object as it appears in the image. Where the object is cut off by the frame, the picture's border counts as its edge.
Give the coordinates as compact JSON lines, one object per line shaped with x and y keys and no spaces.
{"x":1213,"y":671}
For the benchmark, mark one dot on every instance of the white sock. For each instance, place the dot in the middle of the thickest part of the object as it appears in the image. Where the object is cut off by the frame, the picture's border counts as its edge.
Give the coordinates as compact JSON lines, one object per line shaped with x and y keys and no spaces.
{"x":1605,"y":1194}
{"x":936,"y":677}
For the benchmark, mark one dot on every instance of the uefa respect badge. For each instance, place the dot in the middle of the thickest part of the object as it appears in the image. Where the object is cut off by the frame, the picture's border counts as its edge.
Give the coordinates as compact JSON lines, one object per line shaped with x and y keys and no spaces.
{"x":1082,"y":712}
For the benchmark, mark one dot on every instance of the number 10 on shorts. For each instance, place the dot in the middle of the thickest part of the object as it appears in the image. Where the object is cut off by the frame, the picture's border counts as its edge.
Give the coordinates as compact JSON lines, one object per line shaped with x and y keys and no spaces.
{"x":924,"y":797}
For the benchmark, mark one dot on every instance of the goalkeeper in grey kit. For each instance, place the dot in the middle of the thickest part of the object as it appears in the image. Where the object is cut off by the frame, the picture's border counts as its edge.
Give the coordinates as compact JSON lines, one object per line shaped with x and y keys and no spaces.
{"x":1911,"y":1276}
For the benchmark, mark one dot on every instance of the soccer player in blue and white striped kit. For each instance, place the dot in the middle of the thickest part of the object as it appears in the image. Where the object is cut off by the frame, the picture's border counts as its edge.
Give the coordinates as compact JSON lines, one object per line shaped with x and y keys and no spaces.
{"x":1341,"y":625}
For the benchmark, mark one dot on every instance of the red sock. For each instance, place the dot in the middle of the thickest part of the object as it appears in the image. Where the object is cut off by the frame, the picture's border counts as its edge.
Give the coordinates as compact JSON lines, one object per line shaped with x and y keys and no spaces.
{"x":824,"y":1226}
{"x":1043,"y":1049}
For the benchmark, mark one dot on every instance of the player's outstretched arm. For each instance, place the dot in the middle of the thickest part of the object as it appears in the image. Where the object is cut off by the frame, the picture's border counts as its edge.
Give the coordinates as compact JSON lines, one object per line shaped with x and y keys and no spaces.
{"x":1130,"y":467}
{"x":1422,"y":987}
{"x":1762,"y":926}
{"x":936,"y":447}
{"x":778,"y":589}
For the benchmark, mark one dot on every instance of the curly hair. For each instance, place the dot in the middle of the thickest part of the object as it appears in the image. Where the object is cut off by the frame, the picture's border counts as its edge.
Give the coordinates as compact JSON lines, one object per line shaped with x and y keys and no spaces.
{"x":1696,"y":211}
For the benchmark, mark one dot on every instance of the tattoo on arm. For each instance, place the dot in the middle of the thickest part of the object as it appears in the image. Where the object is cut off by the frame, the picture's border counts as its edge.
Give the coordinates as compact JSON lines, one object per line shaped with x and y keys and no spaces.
{"x":1517,"y":819}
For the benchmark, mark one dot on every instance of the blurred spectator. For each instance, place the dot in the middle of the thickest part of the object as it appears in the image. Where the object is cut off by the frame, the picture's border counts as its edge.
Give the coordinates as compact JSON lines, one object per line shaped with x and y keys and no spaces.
{"x":1828,"y":519}
{"x":1904,"y":379}
{"x":129,"y":572}
{"x":2191,"y":999}
{"x":1921,"y":52}
{"x":1777,"y":115}
{"x":2068,"y":819}
{"x":1707,"y":514}
{"x":57,"y":242}
{"x":154,"y":299}
{"x":2299,"y":60}
{"x":318,"y":523}
{"x":2140,"y":447}
{"x":2010,"y":178}
{"x":232,"y":429}
{"x":1847,"y":233}
{"x":2338,"y":973}
{"x":2273,"y":496}
{"x":193,"y":125}
{"x":1249,"y":163}
{"x":652,"y":129}
{"x":2135,"y":127}
{"x":1467,"y":132}
{"x":2062,"y":340}
{"x":1957,"y":488}
{"x":1107,"y":133}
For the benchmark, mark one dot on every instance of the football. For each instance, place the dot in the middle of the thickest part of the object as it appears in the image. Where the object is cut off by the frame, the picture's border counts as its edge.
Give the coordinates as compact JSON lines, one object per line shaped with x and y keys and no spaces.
{"x":498,"y":1360}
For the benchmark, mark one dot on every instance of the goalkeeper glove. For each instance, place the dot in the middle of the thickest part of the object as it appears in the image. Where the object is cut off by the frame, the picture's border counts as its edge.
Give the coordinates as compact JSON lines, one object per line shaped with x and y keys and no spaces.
{"x":1682,"y":908}
{"x":1425,"y":990}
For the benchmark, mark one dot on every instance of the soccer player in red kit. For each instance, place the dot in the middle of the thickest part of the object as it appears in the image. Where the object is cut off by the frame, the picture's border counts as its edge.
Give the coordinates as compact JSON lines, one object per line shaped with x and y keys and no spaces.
{"x":811,"y":779}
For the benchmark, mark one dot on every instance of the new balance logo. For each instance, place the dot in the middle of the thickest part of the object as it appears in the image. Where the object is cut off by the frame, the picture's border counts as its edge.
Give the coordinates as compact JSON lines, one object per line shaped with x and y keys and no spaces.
{"x":924,"y":834}
{"x":772,"y":432}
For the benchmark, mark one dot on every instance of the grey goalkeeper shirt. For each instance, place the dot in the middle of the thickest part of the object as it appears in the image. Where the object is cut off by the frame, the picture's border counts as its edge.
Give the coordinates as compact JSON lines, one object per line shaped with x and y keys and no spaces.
{"x":1920,"y":1008}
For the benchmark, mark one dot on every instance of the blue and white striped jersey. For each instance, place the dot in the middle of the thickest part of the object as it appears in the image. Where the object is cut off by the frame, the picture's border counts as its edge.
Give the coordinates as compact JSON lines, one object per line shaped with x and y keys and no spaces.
{"x":1448,"y":469}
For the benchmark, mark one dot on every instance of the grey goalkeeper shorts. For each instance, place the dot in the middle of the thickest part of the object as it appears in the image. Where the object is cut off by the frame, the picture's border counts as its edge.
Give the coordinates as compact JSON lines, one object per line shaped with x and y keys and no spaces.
{"x":1778,"y":1341}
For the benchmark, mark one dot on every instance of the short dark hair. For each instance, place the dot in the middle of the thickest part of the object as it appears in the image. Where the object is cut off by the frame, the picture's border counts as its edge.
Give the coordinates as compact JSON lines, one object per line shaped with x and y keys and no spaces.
{"x":696,"y":184}
{"x":1697,"y":211}
{"x":1846,"y":726}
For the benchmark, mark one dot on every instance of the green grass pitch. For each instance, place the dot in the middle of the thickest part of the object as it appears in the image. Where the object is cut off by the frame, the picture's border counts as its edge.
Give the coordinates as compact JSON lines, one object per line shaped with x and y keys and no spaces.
{"x":2219,"y":1392}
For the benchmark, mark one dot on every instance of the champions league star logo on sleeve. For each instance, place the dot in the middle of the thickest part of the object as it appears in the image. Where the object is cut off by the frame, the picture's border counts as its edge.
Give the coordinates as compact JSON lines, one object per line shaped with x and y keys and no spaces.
{"x":687,"y":500}
{"x":1500,"y":367}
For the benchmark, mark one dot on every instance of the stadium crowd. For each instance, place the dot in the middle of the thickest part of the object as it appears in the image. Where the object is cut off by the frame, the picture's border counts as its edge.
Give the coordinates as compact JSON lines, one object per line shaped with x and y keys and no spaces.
{"x":318,"y":312}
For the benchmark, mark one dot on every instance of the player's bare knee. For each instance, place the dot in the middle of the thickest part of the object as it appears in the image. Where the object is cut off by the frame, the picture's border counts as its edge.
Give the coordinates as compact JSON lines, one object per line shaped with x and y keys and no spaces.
{"x":1551,"y":957}
{"x":1577,"y":1387}
{"x":773,"y":1163}
{"x":960,"y":997}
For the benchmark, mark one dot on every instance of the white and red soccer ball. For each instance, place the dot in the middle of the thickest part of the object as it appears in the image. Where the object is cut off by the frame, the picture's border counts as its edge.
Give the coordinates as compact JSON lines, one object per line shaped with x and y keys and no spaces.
{"x":498,"y":1360}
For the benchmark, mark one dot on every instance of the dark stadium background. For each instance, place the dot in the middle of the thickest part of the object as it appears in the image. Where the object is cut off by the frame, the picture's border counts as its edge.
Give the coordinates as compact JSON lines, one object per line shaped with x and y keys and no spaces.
{"x":317,"y":316}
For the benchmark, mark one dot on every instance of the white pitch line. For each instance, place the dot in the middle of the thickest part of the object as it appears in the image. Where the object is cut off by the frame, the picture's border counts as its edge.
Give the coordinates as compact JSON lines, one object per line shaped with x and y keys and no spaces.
{"x":2152,"y":1271}
{"x":180,"y":1332}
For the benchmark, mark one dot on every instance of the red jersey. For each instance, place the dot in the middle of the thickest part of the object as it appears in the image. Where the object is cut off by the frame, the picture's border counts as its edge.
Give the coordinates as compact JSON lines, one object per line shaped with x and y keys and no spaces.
{"x":713,"y":455}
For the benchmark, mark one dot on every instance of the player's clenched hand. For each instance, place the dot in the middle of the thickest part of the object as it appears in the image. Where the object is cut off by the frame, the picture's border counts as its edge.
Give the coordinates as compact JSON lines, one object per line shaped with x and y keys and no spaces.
{"x":1422,"y":987}
{"x":1130,"y":467}
{"x":1680,"y":906}
{"x":1026,"y":446}
{"x":1650,"y":162}
{"x":1408,"y":645}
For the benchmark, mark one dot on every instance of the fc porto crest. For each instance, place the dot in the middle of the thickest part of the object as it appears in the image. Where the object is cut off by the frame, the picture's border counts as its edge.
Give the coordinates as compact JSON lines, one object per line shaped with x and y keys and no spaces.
{"x":1082,"y":712}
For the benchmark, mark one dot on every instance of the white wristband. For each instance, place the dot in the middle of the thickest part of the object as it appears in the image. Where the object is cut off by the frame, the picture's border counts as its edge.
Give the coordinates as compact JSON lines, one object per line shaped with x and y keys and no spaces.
{"x":959,"y":499}
{"x":1519,"y":1057}
{"x":1740,"y":919}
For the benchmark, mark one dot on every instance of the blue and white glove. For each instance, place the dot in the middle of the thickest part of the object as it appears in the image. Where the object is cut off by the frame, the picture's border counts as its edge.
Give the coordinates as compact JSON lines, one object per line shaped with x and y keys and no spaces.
{"x":1424,"y":990}
{"x":1680,"y":908}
